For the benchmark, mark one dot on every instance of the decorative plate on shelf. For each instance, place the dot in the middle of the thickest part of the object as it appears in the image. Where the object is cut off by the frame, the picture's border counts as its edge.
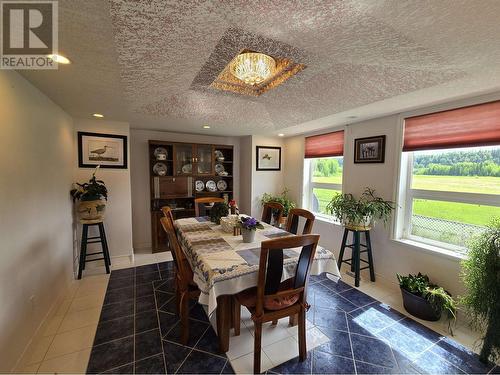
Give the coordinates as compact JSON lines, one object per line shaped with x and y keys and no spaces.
{"x":160,"y":169}
{"x":219,"y":156}
{"x":187,"y":168}
{"x":211,"y":186}
{"x":199,"y":185}
{"x":160,"y":153}
{"x":221,"y":185}
{"x":219,"y":168}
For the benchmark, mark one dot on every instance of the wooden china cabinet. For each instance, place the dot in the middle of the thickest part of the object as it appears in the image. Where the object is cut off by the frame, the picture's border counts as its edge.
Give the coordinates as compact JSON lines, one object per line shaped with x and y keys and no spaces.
{"x":181,"y":172}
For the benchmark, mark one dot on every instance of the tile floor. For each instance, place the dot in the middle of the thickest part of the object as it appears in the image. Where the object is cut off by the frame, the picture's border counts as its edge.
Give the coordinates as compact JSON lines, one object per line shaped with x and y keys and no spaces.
{"x":348,"y":331}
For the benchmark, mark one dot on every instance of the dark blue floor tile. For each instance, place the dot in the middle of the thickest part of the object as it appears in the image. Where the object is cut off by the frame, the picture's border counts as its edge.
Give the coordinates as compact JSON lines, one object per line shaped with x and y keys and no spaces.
{"x":405,"y":340}
{"x":421,"y":330}
{"x":371,"y":350}
{"x":149,"y":268}
{"x":209,"y":342}
{"x":126,"y":369}
{"x":338,"y":287}
{"x":196,"y":329}
{"x":165,"y":266}
{"x":461,"y":357}
{"x":358,"y":298}
{"x":294,"y":366}
{"x":328,"y":320}
{"x":110,"y":355}
{"x":152,"y":365}
{"x":168,"y":276}
{"x":405,"y":365}
{"x":197,"y":312}
{"x":496,"y":370}
{"x":325,"y":363}
{"x":147,"y":277}
{"x":368,"y":368}
{"x":146,"y":321}
{"x":114,"y":329}
{"x":145,"y":303}
{"x":142,"y":290}
{"x":202,"y":363}
{"x":373,"y":318}
{"x":118,"y":295}
{"x":174,"y":355}
{"x":117,"y":310}
{"x":317,"y":278}
{"x":121,"y":282}
{"x":326,"y":298}
{"x":167,"y":321}
{"x":228,"y":369}
{"x":126,"y":272}
{"x":430,"y":363}
{"x":166,"y":302}
{"x":147,"y":344}
{"x":339,"y":344}
{"x":167,"y":286}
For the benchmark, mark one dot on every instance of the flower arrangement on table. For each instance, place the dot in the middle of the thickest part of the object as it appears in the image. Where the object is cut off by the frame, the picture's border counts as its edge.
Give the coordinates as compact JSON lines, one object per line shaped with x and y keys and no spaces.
{"x":249,"y":226}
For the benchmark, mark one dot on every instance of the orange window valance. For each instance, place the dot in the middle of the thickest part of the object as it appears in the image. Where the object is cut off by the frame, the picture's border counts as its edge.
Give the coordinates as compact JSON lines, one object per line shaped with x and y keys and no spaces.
{"x":325,"y":145}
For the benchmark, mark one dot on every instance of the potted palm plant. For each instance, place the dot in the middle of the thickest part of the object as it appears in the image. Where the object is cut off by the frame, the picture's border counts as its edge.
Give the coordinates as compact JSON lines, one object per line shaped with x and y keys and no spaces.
{"x":92,"y":197}
{"x":481,"y":276}
{"x":360,"y":213}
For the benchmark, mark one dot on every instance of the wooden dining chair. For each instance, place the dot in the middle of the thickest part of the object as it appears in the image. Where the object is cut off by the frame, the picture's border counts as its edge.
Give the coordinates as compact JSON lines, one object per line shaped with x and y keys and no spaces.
{"x":272,"y":209}
{"x":186,"y":288}
{"x":272,"y":299}
{"x":200,"y":203}
{"x":292,"y":222}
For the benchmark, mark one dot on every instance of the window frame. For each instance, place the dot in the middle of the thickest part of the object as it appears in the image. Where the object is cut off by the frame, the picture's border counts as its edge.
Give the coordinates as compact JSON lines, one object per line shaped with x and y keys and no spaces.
{"x":407,"y":194}
{"x":310,"y":186}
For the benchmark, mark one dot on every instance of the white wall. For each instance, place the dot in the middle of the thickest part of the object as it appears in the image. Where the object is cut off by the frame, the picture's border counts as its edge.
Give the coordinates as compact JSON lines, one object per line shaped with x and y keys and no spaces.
{"x":118,"y":219}
{"x":36,"y":172}
{"x":246,"y":169}
{"x":139,"y":157}
{"x":390,"y":257}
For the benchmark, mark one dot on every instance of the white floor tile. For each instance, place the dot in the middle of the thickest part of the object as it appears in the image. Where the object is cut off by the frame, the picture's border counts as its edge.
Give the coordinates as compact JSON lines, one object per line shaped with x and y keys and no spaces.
{"x":36,"y":350}
{"x":79,"y":319}
{"x":71,"y":341}
{"x":244,"y":364}
{"x":240,"y":345}
{"x":87,"y":302}
{"x":272,"y":334}
{"x":165,"y":256}
{"x":72,"y":363}
{"x":282,"y":351}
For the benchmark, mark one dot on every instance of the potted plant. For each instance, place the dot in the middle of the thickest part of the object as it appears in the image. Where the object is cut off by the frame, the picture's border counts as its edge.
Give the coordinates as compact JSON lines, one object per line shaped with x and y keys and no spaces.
{"x":362,"y":212}
{"x":481,"y":276}
{"x":282,"y":198}
{"x":248,"y":226}
{"x":217,"y":211}
{"x":425,"y":300}
{"x":92,"y":198}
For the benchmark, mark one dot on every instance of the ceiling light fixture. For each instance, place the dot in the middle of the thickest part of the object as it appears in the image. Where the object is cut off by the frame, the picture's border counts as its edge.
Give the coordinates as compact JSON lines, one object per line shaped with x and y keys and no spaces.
{"x":252,"y":67}
{"x":206,"y":126}
{"x":60,"y":59}
{"x":281,"y":135}
{"x":98,"y":115}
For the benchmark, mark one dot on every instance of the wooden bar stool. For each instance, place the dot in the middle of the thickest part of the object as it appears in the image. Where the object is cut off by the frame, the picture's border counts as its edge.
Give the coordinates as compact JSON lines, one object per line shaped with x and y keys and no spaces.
{"x":356,"y":246}
{"x":88,"y":240}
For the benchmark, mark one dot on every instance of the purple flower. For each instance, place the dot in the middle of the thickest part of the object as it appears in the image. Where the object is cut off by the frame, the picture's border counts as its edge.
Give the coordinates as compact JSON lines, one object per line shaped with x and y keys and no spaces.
{"x":250,"y":223}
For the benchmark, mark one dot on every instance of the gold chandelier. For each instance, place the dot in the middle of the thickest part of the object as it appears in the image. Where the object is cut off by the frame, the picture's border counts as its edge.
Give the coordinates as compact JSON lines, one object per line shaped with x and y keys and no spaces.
{"x":252,"y":67}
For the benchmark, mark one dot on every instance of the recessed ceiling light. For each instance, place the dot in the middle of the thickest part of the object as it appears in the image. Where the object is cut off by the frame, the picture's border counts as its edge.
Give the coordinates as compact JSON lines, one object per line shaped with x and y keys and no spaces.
{"x":98,"y":115}
{"x":281,"y":135}
{"x":60,"y":59}
{"x":352,"y":117}
{"x":206,"y":126}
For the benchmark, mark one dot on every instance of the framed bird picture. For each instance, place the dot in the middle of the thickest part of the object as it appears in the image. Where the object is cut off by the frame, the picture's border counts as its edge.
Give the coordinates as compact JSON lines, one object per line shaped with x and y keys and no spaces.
{"x":106,"y":150}
{"x":268,"y":158}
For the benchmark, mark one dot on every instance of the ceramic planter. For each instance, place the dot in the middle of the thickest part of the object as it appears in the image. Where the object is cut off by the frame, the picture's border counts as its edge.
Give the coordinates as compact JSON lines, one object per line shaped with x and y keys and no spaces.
{"x":91,"y":210}
{"x":419,"y":306}
{"x":248,"y":235}
{"x":364,"y":224}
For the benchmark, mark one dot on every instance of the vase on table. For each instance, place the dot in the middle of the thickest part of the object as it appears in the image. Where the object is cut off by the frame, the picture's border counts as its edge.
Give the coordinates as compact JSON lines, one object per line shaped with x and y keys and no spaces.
{"x":248,"y":235}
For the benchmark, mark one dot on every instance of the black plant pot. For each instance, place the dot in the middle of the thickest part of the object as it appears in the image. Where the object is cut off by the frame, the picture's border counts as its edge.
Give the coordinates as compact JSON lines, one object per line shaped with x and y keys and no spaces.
{"x":419,"y":306}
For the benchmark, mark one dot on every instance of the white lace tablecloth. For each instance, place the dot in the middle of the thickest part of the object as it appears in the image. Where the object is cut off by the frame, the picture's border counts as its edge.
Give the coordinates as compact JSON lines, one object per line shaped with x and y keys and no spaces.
{"x":222,"y":264}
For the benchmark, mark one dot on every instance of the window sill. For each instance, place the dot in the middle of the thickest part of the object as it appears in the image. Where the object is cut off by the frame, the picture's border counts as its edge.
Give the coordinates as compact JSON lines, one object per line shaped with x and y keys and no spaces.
{"x":327,"y":219}
{"x":431,"y":249}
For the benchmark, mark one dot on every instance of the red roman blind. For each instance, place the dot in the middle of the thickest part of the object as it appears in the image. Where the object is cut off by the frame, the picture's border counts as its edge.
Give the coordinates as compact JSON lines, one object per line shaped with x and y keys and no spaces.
{"x":477,"y":125}
{"x":325,"y":145}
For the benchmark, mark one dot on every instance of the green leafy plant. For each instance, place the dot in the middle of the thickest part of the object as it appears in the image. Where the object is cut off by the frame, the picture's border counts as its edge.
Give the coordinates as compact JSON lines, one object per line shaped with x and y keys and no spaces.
{"x":282,"y":198}
{"x":363,"y":211}
{"x":481,"y":276}
{"x":439,"y":299}
{"x":90,"y":191}
{"x":218,"y":211}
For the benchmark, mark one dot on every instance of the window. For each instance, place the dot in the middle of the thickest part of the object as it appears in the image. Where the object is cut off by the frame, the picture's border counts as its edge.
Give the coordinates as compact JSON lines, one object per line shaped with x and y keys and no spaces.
{"x":323,"y":170}
{"x":450,"y":179}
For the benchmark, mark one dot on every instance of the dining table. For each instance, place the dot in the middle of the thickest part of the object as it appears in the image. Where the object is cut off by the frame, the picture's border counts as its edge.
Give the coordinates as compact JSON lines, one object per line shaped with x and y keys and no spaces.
{"x":223,"y":265}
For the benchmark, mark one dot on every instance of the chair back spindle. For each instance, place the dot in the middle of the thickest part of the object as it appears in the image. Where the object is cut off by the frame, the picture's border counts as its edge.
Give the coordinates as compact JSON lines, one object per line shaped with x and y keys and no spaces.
{"x":292,"y":223}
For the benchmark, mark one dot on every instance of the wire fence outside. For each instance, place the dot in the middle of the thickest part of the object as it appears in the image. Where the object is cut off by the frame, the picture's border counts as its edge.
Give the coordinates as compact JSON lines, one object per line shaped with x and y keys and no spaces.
{"x":451,"y":232}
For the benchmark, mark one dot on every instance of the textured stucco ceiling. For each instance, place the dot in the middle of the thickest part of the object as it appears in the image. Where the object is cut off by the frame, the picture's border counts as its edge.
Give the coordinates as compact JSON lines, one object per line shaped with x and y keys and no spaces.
{"x":151,"y":62}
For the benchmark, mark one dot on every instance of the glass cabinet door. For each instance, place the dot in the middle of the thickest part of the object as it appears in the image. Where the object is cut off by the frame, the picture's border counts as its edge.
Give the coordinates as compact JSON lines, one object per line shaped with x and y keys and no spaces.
{"x":203,"y":159}
{"x":183,"y":159}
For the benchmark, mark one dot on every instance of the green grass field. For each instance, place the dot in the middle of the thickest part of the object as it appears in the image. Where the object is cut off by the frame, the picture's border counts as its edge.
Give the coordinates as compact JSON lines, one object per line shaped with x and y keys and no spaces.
{"x":461,"y":212}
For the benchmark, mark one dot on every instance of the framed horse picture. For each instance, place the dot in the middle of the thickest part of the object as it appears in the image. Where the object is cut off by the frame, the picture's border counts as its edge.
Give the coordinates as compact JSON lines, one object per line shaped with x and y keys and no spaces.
{"x":106,"y":150}
{"x":369,"y":150}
